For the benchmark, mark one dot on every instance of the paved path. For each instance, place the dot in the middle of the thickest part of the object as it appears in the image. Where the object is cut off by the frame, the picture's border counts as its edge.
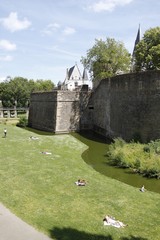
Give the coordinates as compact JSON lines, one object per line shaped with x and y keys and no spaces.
{"x":13,"y":228}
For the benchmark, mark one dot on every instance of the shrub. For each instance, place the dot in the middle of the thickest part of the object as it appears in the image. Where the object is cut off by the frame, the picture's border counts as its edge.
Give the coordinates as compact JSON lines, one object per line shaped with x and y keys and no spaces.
{"x":23,"y":122}
{"x":155,"y":145}
{"x":143,"y":159}
{"x":137,"y":164}
{"x":146,"y":149}
{"x":118,"y":142}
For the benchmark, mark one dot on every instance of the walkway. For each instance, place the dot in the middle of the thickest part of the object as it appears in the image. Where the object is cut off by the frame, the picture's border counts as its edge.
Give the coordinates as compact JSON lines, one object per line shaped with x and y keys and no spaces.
{"x":13,"y":228}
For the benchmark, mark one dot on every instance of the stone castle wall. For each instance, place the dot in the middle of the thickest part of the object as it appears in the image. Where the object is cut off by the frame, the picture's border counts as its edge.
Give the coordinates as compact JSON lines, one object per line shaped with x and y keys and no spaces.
{"x":43,"y":111}
{"x":59,"y":111}
{"x":128,"y":106}
{"x":124,"y":106}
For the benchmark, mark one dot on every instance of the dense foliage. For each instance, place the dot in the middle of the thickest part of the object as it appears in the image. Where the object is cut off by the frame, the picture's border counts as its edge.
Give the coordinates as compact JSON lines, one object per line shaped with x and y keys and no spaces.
{"x":141,"y":158}
{"x":17,"y":91}
{"x":147,"y":54}
{"x":23,"y":122}
{"x":106,"y":59}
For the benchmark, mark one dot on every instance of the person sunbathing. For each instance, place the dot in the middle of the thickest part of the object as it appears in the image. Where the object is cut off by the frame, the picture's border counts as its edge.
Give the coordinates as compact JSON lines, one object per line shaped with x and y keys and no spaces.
{"x":48,"y":153}
{"x":142,"y":189}
{"x":109,"y":220}
{"x":80,"y":182}
{"x":33,"y":138}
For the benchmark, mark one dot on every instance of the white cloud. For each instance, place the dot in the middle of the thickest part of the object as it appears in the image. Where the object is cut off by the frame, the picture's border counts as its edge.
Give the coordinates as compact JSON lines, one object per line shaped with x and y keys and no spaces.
{"x":69,"y":31}
{"x":56,"y":27}
{"x":12,"y":23}
{"x":6,"y":58}
{"x":108,"y":5}
{"x":52,"y":27}
{"x":6,"y":45}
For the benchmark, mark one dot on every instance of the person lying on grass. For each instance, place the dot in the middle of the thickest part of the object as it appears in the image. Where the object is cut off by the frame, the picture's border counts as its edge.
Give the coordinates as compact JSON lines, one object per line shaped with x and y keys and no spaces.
{"x":109,"y":220}
{"x":48,"y":153}
{"x":142,"y":189}
{"x":33,"y":138}
{"x":80,"y":182}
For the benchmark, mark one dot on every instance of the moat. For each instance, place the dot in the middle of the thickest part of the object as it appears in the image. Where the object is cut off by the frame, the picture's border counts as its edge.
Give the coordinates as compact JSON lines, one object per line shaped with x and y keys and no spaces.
{"x":95,"y":156}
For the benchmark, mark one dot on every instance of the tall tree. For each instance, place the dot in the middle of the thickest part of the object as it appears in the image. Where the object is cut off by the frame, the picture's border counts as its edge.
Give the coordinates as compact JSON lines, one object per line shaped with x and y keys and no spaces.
{"x":147,"y":54}
{"x":6,"y":94}
{"x":106,"y":59}
{"x":18,"y":90}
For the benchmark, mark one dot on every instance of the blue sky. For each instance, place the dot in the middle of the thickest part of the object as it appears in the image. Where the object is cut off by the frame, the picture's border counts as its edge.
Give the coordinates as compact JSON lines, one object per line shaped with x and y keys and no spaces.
{"x":40,"y":39}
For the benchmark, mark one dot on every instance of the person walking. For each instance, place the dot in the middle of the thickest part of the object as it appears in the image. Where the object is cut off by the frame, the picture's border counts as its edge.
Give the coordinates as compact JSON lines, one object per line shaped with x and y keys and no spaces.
{"x":5,"y":132}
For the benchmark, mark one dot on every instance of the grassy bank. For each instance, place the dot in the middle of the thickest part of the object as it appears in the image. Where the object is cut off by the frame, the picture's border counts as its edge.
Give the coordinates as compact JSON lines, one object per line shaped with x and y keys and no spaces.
{"x":40,"y":189}
{"x":141,"y":158}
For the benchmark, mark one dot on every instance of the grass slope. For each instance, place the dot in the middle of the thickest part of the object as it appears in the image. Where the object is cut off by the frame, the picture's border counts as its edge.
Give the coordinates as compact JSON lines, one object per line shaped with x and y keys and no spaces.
{"x":40,"y":189}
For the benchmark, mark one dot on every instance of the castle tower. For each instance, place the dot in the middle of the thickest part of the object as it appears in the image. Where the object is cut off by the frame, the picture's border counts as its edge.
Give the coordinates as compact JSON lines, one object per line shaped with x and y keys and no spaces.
{"x":74,"y":79}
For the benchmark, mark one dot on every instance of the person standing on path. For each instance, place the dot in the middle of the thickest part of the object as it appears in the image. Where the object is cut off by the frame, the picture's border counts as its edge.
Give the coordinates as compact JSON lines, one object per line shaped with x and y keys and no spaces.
{"x":5,"y":132}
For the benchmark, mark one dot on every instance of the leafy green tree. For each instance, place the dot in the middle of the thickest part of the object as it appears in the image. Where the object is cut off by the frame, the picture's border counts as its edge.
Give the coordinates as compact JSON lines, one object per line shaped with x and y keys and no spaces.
{"x":20,"y":90}
{"x":106,"y":59}
{"x":147,"y":54}
{"x":17,"y":91}
{"x":43,"y":85}
{"x":6,"y":94}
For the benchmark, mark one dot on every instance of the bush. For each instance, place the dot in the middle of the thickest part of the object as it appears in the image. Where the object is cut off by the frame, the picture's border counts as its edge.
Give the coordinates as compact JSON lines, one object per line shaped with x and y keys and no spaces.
{"x":118,"y":142}
{"x":143,"y":159}
{"x":23,"y":122}
{"x":146,"y":149}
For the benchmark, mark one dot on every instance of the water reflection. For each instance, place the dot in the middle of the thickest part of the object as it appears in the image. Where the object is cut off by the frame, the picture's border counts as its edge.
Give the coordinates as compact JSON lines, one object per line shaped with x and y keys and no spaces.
{"x":95,"y":156}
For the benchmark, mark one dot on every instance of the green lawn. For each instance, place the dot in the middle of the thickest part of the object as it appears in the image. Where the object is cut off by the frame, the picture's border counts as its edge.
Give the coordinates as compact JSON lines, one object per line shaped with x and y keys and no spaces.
{"x":40,"y":189}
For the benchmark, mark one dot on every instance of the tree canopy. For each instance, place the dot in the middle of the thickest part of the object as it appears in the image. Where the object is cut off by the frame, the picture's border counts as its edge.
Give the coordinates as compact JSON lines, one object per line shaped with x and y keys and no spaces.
{"x":18,"y":90}
{"x":106,"y":59}
{"x":147,"y":54}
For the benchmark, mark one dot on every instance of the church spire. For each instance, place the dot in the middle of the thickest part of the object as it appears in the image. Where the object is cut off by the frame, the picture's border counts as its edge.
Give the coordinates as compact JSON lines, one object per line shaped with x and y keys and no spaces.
{"x":138,"y":38}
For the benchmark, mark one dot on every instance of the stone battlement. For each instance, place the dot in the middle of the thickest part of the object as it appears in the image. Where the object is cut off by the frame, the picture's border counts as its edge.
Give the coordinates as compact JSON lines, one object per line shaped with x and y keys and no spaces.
{"x":126,"y":106}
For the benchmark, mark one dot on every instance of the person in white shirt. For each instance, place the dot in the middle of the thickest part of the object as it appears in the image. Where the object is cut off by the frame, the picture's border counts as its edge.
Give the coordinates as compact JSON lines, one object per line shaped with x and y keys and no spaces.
{"x":5,"y":132}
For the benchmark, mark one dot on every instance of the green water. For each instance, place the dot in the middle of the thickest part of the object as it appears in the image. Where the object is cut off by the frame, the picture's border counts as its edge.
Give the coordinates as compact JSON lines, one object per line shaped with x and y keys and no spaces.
{"x":95,"y":156}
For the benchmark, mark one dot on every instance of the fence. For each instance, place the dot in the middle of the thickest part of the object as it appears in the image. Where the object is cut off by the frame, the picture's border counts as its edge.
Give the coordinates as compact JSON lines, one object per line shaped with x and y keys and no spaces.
{"x":12,"y":112}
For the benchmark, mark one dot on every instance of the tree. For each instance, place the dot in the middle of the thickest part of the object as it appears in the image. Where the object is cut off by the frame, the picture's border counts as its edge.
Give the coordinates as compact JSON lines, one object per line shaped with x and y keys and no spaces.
{"x":106,"y":59}
{"x":18,"y":90}
{"x":6,"y":94}
{"x":43,"y":85}
{"x":147,"y":54}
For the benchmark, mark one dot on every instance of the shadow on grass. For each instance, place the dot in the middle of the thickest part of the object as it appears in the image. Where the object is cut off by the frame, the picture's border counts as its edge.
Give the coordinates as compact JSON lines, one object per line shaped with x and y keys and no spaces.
{"x":32,"y":130}
{"x":73,"y":234}
{"x":133,"y":238}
